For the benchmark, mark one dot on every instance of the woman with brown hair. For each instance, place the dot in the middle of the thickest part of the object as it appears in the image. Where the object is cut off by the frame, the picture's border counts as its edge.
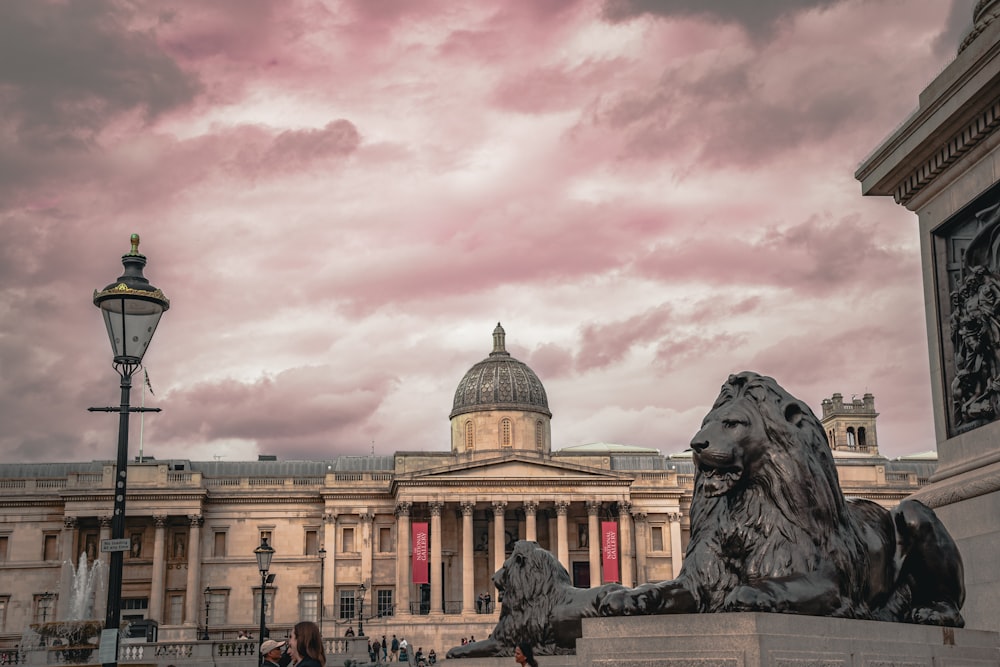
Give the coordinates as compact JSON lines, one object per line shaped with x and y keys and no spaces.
{"x":307,"y":645}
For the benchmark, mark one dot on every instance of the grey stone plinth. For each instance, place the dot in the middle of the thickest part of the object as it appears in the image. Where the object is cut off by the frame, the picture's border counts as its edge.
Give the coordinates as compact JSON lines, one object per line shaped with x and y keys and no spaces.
{"x":778,"y":640}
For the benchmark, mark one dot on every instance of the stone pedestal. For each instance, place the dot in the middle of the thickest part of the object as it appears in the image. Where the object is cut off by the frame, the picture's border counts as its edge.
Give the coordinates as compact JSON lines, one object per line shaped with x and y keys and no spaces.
{"x":777,"y":640}
{"x":943,"y":163}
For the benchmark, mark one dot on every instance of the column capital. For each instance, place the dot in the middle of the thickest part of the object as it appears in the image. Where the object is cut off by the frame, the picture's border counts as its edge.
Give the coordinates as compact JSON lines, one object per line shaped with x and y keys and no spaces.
{"x":435,"y":506}
{"x":105,"y":521}
{"x":403,"y":508}
{"x":330,"y":517}
{"x":562,"y":507}
{"x":624,"y":507}
{"x":639,"y":517}
{"x":499,"y":507}
{"x":367,"y":516}
{"x":674,"y":517}
{"x":196,"y":519}
{"x":160,"y":520}
{"x":531,"y":506}
{"x":70,"y":521}
{"x":468,"y":508}
{"x":594,"y":507}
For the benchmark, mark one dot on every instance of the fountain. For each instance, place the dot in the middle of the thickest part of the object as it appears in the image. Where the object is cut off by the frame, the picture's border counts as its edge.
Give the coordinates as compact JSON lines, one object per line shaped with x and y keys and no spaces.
{"x":76,"y":634}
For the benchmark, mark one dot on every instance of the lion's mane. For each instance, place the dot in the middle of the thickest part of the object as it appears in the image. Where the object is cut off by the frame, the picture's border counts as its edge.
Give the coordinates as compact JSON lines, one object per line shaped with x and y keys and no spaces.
{"x":539,"y":605}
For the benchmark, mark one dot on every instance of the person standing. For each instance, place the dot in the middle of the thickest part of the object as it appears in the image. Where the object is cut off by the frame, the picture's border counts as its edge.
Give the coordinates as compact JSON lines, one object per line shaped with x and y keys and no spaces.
{"x":395,"y":649}
{"x":307,"y":645}
{"x":273,"y":655}
{"x":385,"y":651}
{"x":523,"y":655}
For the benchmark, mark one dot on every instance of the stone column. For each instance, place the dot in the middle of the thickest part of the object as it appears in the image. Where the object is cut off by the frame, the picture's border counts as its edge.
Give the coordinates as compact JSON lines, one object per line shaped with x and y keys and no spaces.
{"x":468,"y":563}
{"x":676,"y":552}
{"x":499,"y":536}
{"x":594,"y":542}
{"x":437,"y":586}
{"x":66,"y":541}
{"x":625,"y":542}
{"x":403,"y":558}
{"x":562,"y":509}
{"x":367,"y":547}
{"x":158,"y":580}
{"x":641,"y":540}
{"x":193,"y":596}
{"x":101,"y":600}
{"x":330,"y":566}
{"x":530,"y":519}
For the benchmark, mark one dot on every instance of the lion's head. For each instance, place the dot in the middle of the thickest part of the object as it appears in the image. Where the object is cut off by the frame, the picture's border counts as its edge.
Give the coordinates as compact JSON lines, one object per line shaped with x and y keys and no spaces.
{"x":758,"y":436}
{"x":528,"y":573}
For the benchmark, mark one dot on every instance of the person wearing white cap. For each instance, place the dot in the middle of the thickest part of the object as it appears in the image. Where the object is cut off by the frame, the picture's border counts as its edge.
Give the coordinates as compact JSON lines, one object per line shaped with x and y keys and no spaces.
{"x":272,"y":652}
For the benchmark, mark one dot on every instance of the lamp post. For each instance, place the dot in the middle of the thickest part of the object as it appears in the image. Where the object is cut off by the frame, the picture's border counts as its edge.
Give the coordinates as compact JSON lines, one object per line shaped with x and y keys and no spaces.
{"x":264,"y":554}
{"x":208,"y":604}
{"x":131,"y":308}
{"x":361,"y":609}
{"x":322,"y":579}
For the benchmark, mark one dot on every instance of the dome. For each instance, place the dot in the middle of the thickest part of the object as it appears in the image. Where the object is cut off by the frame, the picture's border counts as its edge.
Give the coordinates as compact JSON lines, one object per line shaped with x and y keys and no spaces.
{"x":500,"y":382}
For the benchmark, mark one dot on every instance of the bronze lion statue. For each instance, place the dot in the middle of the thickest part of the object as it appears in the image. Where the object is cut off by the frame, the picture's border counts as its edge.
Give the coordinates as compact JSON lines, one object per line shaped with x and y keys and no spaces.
{"x":539,"y":605}
{"x":771,"y":530}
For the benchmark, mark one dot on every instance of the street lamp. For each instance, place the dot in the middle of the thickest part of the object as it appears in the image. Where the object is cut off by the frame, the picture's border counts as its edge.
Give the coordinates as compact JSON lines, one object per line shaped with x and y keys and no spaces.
{"x":361,"y":609}
{"x":207,"y":606}
{"x":264,"y":554}
{"x":322,"y":578}
{"x":131,"y":308}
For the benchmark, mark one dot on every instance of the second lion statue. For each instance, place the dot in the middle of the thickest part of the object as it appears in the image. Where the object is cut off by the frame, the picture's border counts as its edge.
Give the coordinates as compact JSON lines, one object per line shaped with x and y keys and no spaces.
{"x":772,"y":531}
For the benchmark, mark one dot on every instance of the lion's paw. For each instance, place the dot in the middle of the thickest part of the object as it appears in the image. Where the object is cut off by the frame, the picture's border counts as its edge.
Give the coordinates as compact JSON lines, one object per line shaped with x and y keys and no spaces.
{"x":748,"y":598}
{"x":624,"y":602}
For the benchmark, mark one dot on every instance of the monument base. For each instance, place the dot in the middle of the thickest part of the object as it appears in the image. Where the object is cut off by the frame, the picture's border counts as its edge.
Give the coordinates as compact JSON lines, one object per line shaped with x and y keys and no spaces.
{"x":777,"y":640}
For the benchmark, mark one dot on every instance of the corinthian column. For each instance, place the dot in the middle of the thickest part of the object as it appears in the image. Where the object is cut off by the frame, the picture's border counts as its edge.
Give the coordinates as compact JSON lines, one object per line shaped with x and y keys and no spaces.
{"x":158,"y":579}
{"x":403,"y":557}
{"x":625,"y":542}
{"x":367,"y":545}
{"x":101,"y":601}
{"x":330,"y":567}
{"x":437,"y":586}
{"x":676,"y":552}
{"x":641,"y":539}
{"x":562,"y":509}
{"x":499,"y":534}
{"x":194,"y":571}
{"x":530,"y":520}
{"x":468,"y":564}
{"x":594,"y":542}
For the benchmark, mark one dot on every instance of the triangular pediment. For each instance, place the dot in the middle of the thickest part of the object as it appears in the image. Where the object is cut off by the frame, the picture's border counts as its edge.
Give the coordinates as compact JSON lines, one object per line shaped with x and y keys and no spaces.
{"x":510,"y":468}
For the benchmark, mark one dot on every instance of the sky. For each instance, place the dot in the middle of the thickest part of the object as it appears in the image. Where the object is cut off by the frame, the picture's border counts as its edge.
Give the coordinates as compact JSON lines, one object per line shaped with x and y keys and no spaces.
{"x":341,"y":200}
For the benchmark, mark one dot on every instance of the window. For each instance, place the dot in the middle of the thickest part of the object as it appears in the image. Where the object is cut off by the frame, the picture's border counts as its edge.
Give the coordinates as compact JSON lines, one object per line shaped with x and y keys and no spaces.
{"x":45,"y":607}
{"x":470,"y":436}
{"x":385,"y":539}
{"x":50,"y":547}
{"x":4,"y":547}
{"x":851,"y":443}
{"x":862,"y":438}
{"x":266,"y":535}
{"x":134,"y":609}
{"x":346,"y":604}
{"x":218,"y":606}
{"x":384,"y":602}
{"x":348,"y":539}
{"x":539,"y":436}
{"x":269,"y":604}
{"x":219,"y":545}
{"x":656,"y":533}
{"x":175,"y":609}
{"x":4,"y":601}
{"x":309,"y":605}
{"x":312,"y":542}
{"x":505,"y":435}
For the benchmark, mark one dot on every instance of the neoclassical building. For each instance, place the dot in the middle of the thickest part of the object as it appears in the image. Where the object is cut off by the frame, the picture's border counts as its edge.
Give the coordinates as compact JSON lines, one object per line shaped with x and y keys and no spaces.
{"x":348,"y":521}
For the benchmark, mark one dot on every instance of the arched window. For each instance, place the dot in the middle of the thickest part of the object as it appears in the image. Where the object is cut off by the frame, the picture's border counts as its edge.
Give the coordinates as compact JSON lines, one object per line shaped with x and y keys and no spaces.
{"x":833,"y":438}
{"x":470,"y":436}
{"x":851,"y":442}
{"x":539,"y":435}
{"x":506,"y":440}
{"x":862,"y":438}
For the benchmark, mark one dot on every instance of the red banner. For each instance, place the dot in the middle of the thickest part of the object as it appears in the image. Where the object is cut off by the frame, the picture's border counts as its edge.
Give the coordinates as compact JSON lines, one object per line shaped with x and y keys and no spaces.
{"x":419,"y":543}
{"x":609,"y":550}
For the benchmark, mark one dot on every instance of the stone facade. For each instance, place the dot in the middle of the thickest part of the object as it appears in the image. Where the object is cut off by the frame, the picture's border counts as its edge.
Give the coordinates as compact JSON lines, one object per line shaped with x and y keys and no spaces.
{"x":338,"y":523}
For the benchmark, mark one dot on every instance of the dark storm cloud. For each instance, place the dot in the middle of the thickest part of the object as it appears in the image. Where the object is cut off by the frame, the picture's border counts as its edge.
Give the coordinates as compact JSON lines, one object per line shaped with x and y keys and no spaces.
{"x":758,"y":17}
{"x":67,"y":69}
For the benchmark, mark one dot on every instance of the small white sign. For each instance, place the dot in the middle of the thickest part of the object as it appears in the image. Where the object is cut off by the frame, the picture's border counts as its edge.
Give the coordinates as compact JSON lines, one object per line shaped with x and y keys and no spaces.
{"x":124,"y":544}
{"x":108,"y":652}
